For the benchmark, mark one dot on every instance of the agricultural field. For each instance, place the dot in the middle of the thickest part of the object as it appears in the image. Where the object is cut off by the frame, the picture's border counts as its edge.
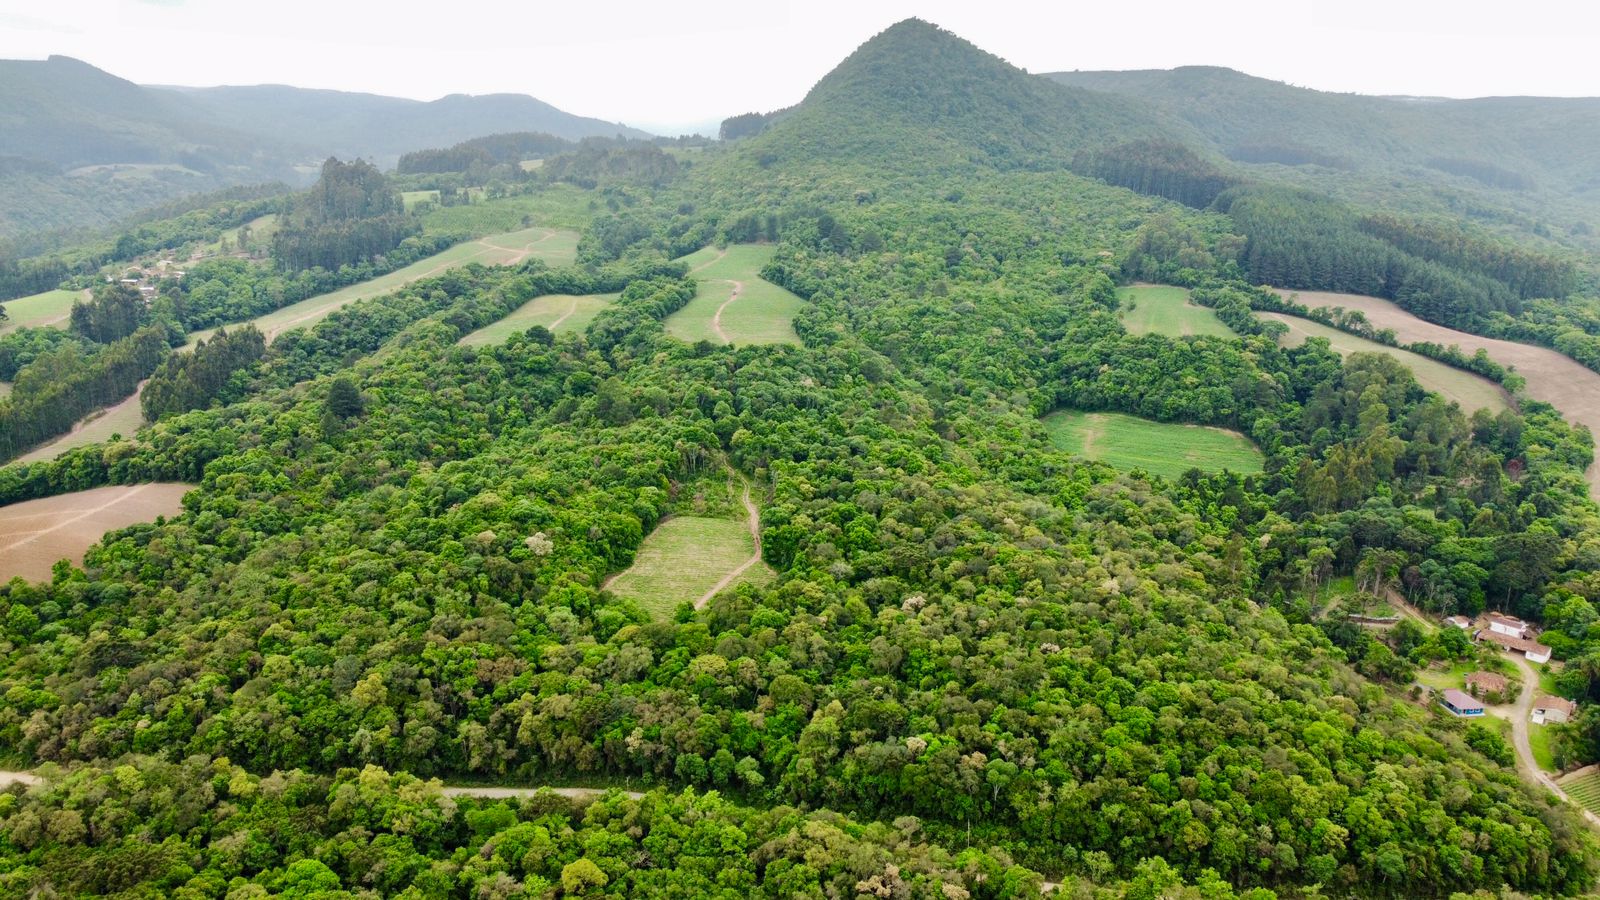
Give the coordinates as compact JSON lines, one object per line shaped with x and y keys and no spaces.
{"x":123,"y":419}
{"x":1473,"y":392}
{"x":35,"y":534}
{"x":555,"y":246}
{"x":733,"y":303}
{"x":1585,"y":789}
{"x":1160,"y":448}
{"x":561,"y":313}
{"x":39,"y":310}
{"x":557,"y":206}
{"x":1551,"y":377}
{"x":409,"y":199}
{"x":683,"y":559}
{"x":1164,"y":309}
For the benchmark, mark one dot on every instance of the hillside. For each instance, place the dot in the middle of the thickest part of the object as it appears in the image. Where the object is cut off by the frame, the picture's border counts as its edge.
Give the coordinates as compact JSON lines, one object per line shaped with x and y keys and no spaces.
{"x":1520,"y":154}
{"x":80,"y":147}
{"x":916,"y":96}
{"x":381,"y":128}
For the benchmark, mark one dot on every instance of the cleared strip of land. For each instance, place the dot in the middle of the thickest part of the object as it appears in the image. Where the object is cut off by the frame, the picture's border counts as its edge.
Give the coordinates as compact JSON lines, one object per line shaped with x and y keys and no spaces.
{"x":51,"y":308}
{"x":125,"y":419}
{"x":553,"y":245}
{"x":35,"y":534}
{"x":561,"y":313}
{"x":1166,"y":449}
{"x":1165,"y":309}
{"x":1473,"y":392}
{"x":1551,"y":377}
{"x":733,"y":304}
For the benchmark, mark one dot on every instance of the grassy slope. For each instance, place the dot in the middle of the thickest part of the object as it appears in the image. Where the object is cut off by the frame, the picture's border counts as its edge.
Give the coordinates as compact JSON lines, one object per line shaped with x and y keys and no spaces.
{"x":1471,"y":391}
{"x":1165,"y":309}
{"x":555,"y":246}
{"x":561,"y":313}
{"x":1160,"y":448}
{"x":763,"y":313}
{"x":682,"y":559}
{"x":123,"y":419}
{"x":37,"y":310}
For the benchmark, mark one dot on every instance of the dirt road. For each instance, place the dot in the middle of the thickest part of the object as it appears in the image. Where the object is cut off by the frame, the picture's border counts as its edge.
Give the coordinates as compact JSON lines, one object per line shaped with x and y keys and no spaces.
{"x":1517,"y":714}
{"x":716,"y":320}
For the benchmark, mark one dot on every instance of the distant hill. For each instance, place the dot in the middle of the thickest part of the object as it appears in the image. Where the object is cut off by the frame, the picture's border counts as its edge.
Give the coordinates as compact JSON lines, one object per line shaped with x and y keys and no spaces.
{"x":80,"y":147}
{"x":1538,"y":158}
{"x":916,"y":96}
{"x":381,"y":128}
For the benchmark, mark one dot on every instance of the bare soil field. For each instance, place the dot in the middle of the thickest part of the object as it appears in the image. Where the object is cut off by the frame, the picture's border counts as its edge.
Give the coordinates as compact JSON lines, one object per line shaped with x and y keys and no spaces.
{"x":36,"y":533}
{"x":1556,"y":379}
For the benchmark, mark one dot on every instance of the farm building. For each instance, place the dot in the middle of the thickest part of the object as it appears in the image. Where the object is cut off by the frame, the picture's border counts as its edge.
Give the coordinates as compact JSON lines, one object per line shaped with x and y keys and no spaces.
{"x":1461,"y":622}
{"x":1547,"y":709}
{"x":1533,"y":650}
{"x":1510,"y":626}
{"x":1481,"y":683}
{"x":1461,"y":703}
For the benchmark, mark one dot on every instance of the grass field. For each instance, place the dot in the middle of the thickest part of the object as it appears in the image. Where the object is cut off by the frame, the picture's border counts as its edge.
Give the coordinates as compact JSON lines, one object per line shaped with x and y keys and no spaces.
{"x":561,"y":313}
{"x":262,"y":228}
{"x":1163,"y":309}
{"x":39,"y":310}
{"x":409,"y":199}
{"x":682,"y":559}
{"x":555,"y":206}
{"x":36,"y":533}
{"x":733,"y":304}
{"x":1444,"y":679}
{"x":125,"y":419}
{"x":1159,"y":448}
{"x":1471,"y":391}
{"x":1539,"y":743}
{"x":555,"y":246}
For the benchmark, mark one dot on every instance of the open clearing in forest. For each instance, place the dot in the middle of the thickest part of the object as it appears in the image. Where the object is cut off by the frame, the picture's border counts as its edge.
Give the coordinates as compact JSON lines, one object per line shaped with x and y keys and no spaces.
{"x":733,"y":304}
{"x":40,"y":310}
{"x":555,"y":246}
{"x":1164,"y":309}
{"x":1473,"y":392}
{"x":409,"y":199}
{"x":685,"y":559}
{"x":1160,"y":448}
{"x":36,"y":533}
{"x":261,"y":230}
{"x":1551,"y":377}
{"x":561,"y":313}
{"x":125,"y":419}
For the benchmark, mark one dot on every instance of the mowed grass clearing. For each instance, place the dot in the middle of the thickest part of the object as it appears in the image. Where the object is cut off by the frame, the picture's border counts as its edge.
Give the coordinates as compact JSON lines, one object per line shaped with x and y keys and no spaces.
{"x":1473,"y":392}
{"x":1160,"y":448}
{"x":124,"y":419}
{"x":1585,"y":789}
{"x":34,"y":534}
{"x":39,"y":310}
{"x":682,"y":559}
{"x":1164,"y":309}
{"x":733,"y":304}
{"x":561,"y":313}
{"x":553,"y":245}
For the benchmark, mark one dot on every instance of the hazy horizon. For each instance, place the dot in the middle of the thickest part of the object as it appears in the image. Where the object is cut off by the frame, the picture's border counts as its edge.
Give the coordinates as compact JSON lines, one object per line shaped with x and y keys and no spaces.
{"x":676,"y":69}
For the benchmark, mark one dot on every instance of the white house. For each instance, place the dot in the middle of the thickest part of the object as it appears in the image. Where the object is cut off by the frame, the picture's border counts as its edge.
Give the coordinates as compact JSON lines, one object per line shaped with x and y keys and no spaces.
{"x":1533,"y":650}
{"x":1547,"y":709}
{"x":1461,"y":622}
{"x":1510,"y":626}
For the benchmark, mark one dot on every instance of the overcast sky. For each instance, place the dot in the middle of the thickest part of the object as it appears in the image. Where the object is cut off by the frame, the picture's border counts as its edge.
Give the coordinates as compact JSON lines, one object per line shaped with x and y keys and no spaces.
{"x":672,"y":65}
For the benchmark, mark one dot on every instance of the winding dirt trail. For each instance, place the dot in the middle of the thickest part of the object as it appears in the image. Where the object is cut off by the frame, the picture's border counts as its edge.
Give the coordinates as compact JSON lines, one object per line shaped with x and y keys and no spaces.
{"x":716,"y":320}
{"x":753,"y":517}
{"x":571,"y":308}
{"x":721,"y":253}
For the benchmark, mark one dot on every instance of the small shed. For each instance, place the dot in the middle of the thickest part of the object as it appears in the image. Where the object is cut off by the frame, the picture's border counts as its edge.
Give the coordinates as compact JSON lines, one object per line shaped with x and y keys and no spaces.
{"x":1461,"y":703}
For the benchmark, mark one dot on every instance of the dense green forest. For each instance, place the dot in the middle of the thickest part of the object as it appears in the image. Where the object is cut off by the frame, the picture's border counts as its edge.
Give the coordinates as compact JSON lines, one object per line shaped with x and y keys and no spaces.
{"x":984,"y":663}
